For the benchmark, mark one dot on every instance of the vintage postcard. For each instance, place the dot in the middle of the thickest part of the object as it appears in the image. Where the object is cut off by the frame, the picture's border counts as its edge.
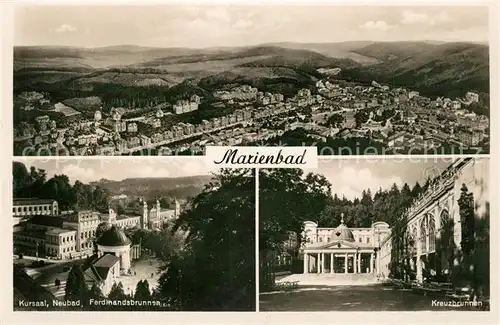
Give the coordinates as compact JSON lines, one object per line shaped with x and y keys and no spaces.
{"x":171,"y":79}
{"x":256,"y":158}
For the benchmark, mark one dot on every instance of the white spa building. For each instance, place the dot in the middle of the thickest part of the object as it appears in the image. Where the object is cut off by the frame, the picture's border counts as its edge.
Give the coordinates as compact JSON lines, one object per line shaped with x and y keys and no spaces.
{"x":343,"y":249}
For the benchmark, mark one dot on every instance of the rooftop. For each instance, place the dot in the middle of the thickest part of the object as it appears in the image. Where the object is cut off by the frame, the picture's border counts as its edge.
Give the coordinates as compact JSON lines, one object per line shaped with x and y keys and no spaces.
{"x":107,"y":260}
{"x":32,"y":201}
{"x":45,"y":220}
{"x":113,"y":237}
{"x":342,"y":232}
{"x":59,"y":231}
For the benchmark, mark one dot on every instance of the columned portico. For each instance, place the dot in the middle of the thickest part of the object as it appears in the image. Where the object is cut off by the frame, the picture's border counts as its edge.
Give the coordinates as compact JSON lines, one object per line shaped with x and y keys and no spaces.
{"x":338,"y":250}
{"x":344,"y":259}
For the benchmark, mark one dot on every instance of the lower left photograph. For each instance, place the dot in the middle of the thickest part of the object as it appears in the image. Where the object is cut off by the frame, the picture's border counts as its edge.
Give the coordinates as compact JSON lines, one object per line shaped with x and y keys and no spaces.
{"x":132,"y":234}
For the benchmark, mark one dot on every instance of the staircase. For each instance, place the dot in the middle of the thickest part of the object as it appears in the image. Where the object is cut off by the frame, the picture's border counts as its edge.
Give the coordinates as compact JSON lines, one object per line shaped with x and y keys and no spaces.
{"x":331,"y":279}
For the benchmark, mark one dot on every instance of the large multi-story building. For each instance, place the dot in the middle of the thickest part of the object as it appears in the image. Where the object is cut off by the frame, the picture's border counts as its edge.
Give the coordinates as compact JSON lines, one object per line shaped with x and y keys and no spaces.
{"x":23,"y":207}
{"x":244,"y":92}
{"x":470,"y":138}
{"x":155,"y":217}
{"x":58,"y":236}
{"x":343,"y":249}
{"x":185,"y":106}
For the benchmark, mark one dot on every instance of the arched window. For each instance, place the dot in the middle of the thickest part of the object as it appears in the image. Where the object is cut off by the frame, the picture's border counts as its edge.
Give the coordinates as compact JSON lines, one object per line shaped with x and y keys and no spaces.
{"x":423,"y":235}
{"x":431,"y":233}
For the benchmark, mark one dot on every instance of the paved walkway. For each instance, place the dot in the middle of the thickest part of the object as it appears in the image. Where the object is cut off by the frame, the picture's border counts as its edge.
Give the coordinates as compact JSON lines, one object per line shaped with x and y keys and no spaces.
{"x":143,"y":268}
{"x":349,"y":298}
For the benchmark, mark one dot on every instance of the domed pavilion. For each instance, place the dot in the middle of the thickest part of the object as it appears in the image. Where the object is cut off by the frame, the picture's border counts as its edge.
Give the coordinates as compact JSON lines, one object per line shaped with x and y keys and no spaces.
{"x":114,"y":241}
{"x":343,"y":249}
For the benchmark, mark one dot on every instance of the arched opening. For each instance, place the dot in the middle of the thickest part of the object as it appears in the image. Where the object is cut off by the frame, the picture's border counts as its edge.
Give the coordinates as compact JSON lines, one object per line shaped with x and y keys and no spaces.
{"x":423,"y":235}
{"x":431,"y":223}
{"x":445,"y":246}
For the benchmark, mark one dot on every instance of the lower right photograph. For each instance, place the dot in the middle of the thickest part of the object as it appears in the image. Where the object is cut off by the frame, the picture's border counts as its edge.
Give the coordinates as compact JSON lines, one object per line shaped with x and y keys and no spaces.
{"x":376,"y":234}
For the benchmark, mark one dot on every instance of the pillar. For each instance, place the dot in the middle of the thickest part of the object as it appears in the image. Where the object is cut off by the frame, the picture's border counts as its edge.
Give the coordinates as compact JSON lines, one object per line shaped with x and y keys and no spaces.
{"x":331,"y":262}
{"x":355,"y":262}
{"x":359,"y":263}
{"x":322,"y":262}
{"x":345,"y":263}
{"x":419,"y":252}
{"x":371,"y":263}
{"x":377,"y":258}
{"x":318,"y":257}
{"x":306,"y":263}
{"x":125,"y":261}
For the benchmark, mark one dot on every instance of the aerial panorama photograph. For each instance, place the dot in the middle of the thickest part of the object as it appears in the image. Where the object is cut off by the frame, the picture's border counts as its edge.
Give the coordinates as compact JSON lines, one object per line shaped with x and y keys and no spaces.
{"x":173,"y":79}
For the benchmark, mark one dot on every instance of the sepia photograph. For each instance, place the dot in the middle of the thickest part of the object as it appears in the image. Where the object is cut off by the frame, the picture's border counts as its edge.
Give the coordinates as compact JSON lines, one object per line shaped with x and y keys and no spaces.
{"x":171,"y":79}
{"x":133,"y":235}
{"x":376,"y":235}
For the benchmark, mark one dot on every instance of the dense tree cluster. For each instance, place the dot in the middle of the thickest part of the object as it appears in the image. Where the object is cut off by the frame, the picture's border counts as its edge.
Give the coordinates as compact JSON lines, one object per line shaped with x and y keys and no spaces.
{"x":33,"y":183}
{"x":216,"y":268}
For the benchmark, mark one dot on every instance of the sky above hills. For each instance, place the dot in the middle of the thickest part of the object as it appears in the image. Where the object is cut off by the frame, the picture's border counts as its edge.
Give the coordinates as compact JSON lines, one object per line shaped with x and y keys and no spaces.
{"x":199,"y":26}
{"x":90,"y":170}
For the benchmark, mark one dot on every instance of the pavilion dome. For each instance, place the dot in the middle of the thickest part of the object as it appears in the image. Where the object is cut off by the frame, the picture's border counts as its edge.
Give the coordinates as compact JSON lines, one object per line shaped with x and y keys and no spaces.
{"x":342,"y":232}
{"x":113,"y":237}
{"x":102,"y":228}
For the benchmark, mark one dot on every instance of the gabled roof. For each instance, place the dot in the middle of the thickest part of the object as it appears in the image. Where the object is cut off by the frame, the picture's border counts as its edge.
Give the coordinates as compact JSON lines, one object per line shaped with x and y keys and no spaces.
{"x":91,"y":274}
{"x":104,"y":264}
{"x":336,"y":243}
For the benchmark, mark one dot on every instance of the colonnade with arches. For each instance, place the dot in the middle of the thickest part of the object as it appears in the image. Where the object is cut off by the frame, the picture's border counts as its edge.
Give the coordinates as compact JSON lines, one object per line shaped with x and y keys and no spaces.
{"x":428,"y":234}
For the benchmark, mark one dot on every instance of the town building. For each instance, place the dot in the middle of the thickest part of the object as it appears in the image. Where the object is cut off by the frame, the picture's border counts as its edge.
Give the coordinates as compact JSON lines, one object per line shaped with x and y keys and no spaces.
{"x":472,"y":97}
{"x":122,"y":221}
{"x":343,"y":249}
{"x":23,"y":207}
{"x":155,"y":217}
{"x":470,"y":138}
{"x":185,"y":106}
{"x":57,"y":236}
{"x":115,"y":253}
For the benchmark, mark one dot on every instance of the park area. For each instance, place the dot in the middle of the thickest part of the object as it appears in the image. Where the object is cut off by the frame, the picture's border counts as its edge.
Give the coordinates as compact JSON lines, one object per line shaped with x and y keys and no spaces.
{"x":375,"y":297}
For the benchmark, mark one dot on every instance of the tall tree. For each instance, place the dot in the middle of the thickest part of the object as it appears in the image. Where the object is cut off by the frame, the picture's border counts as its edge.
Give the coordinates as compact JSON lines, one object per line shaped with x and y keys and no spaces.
{"x":216,"y":268}
{"x":76,"y":287}
{"x":142,"y":292}
{"x":117,"y":292}
{"x":466,"y":206}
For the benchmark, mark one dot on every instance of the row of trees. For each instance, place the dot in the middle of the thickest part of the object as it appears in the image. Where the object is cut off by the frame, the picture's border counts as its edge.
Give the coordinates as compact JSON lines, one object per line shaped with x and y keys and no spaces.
{"x":78,"y":290}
